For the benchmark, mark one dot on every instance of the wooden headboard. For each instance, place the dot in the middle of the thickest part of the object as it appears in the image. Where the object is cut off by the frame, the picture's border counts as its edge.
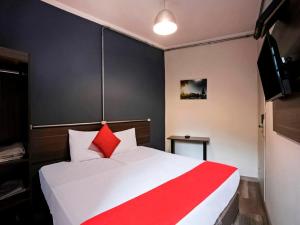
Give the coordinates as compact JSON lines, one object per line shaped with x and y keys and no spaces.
{"x":51,"y":143}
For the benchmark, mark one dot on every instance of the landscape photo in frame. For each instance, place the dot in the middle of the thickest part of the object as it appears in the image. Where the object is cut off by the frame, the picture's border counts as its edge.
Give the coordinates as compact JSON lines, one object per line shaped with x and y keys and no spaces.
{"x":193,"y":89}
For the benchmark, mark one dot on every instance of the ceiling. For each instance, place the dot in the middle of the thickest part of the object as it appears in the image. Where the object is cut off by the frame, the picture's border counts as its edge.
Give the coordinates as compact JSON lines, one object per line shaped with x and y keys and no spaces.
{"x":197,"y":20}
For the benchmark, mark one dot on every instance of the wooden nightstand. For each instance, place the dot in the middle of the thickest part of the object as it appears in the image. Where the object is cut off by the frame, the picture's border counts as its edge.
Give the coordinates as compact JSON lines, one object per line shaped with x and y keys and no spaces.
{"x":200,"y":140}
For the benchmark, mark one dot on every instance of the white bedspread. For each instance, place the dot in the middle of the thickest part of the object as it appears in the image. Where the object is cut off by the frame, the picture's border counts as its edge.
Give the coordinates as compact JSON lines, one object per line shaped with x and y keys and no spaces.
{"x":75,"y":192}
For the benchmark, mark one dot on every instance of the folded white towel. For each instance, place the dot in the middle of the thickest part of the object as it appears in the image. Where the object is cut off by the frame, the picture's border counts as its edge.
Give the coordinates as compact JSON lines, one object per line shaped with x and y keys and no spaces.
{"x":15,"y":149}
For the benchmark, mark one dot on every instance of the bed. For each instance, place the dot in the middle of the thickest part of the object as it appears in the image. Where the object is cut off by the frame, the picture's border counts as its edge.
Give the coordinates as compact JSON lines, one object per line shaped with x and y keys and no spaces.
{"x":104,"y":183}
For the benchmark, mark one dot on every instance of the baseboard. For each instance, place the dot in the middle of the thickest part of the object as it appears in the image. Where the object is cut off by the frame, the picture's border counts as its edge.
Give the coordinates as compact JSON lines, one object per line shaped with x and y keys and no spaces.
{"x":264,"y":205}
{"x":267,"y":213}
{"x":251,"y":179}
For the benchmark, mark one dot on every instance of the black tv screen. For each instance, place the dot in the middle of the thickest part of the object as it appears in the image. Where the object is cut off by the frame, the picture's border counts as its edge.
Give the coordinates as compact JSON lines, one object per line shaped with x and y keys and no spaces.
{"x":271,"y":71}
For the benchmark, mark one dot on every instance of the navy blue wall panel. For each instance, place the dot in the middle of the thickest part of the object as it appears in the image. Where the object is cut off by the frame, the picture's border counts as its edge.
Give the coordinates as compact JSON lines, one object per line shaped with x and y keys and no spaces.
{"x":65,"y":68}
{"x":134,"y":83}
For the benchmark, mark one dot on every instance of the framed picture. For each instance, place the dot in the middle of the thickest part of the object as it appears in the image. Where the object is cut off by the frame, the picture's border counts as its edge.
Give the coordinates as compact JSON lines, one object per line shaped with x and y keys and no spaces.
{"x":193,"y":89}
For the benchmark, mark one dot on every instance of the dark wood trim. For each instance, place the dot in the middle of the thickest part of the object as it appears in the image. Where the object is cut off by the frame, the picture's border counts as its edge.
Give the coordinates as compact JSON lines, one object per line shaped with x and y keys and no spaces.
{"x":286,"y":111}
{"x":286,"y":118}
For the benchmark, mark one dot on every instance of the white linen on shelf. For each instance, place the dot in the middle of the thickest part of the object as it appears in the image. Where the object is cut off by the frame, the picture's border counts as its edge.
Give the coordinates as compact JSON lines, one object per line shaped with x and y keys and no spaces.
{"x":11,"y":152}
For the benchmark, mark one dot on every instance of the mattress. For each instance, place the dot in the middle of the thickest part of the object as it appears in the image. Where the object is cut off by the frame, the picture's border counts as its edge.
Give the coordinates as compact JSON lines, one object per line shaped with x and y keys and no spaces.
{"x":75,"y":192}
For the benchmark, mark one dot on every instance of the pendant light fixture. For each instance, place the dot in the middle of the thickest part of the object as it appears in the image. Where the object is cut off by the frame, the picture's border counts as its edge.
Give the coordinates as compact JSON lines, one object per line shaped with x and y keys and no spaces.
{"x":165,"y":22}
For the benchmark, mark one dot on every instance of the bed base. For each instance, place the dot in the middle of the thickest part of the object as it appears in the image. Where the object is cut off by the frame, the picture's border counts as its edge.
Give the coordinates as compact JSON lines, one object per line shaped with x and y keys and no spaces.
{"x":227,"y":217}
{"x":230,"y":213}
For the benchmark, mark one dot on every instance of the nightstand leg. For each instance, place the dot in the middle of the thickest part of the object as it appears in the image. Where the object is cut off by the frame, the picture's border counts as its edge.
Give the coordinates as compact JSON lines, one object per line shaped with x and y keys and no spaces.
{"x":172,"y":147}
{"x":204,"y":151}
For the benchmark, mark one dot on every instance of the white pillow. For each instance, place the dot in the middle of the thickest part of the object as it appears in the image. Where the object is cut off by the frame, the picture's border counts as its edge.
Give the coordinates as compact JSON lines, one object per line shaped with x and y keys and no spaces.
{"x":128,"y":141}
{"x":81,"y":146}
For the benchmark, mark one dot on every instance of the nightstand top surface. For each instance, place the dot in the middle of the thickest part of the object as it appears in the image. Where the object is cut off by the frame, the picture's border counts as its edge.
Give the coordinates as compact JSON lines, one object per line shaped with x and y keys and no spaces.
{"x":191,"y":139}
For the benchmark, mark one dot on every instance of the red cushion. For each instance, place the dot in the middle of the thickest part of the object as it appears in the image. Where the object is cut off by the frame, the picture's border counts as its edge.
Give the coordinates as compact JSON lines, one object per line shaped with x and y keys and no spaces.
{"x":106,"y":141}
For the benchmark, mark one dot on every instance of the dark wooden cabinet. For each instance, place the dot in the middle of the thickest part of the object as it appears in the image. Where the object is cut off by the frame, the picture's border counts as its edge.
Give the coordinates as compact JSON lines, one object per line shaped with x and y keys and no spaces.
{"x":14,"y":128}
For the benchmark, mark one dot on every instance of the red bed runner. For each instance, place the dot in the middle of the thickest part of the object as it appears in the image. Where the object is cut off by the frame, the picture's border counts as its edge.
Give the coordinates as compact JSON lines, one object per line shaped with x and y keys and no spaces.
{"x":168,"y":203}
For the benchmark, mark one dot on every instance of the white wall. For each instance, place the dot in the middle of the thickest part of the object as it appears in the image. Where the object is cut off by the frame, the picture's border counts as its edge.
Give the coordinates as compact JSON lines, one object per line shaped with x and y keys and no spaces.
{"x":282,"y":175}
{"x":229,"y":115}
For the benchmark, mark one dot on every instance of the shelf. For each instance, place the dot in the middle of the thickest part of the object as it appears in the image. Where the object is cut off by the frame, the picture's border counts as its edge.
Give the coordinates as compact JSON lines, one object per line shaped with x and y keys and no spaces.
{"x":14,"y":56}
{"x":15,"y":200}
{"x":14,"y":162}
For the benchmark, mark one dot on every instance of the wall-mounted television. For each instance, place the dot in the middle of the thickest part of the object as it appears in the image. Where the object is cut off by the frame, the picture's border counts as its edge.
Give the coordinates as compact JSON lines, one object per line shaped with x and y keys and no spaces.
{"x":272,"y":70}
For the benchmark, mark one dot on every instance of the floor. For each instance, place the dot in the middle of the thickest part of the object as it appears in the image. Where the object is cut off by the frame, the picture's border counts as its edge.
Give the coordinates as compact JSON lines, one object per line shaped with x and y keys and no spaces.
{"x":252,"y":210}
